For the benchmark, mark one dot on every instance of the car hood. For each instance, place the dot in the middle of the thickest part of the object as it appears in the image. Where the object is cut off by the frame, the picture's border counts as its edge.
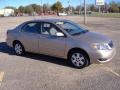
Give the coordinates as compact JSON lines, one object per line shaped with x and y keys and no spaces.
{"x":92,"y":37}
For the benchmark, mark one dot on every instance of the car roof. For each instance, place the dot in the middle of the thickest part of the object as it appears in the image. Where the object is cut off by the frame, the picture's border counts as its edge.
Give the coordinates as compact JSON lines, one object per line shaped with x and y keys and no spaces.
{"x":49,"y":20}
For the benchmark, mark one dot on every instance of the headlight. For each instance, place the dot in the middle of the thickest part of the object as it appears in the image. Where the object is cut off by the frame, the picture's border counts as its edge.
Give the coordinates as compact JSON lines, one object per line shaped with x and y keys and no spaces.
{"x":101,"y":46}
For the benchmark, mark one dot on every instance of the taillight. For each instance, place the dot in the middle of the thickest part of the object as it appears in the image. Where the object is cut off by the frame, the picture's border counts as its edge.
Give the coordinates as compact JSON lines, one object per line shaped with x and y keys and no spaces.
{"x":7,"y":32}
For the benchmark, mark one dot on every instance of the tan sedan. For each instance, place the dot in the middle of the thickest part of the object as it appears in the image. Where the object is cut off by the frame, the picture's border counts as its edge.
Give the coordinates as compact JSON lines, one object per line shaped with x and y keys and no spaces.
{"x":61,"y":38}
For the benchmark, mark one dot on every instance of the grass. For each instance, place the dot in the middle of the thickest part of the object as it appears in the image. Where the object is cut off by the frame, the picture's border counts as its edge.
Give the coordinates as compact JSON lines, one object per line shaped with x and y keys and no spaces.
{"x":113,"y":15}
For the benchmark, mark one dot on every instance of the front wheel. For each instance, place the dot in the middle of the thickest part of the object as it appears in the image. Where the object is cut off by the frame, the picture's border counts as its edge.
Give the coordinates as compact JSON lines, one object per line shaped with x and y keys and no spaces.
{"x":78,"y":59}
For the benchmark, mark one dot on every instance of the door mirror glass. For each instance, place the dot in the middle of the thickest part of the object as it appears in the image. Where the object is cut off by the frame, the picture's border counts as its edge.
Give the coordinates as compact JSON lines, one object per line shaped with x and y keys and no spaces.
{"x":59,"y":34}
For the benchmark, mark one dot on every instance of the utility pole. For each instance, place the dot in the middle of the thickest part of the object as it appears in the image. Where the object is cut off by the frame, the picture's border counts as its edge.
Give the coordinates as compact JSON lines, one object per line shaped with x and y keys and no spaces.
{"x":80,"y":8}
{"x":69,"y":6}
{"x":99,"y":9}
{"x":85,"y":17}
{"x":42,"y":6}
{"x":57,"y":8}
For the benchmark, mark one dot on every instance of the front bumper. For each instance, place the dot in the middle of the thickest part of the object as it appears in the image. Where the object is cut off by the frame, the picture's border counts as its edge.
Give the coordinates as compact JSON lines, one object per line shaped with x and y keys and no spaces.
{"x":102,"y":56}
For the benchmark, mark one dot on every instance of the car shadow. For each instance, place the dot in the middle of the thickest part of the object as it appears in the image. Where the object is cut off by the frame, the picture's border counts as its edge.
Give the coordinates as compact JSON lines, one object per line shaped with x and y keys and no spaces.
{"x":8,"y":50}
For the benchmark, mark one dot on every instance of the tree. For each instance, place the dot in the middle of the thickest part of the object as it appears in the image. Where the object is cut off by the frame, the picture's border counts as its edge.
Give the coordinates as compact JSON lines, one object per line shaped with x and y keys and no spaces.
{"x":114,"y":7}
{"x":10,"y":7}
{"x":119,"y":9}
{"x":57,"y":7}
{"x":92,"y":8}
{"x":36,"y":8}
{"x":78,"y":8}
{"x":72,"y":8}
{"x":46,"y":7}
{"x":106,"y":7}
{"x":119,"y":6}
{"x":21,"y":9}
{"x":29,"y":9}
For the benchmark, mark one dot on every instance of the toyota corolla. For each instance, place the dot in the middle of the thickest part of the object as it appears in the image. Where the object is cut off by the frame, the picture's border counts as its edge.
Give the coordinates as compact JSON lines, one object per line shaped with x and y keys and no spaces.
{"x":61,"y":38}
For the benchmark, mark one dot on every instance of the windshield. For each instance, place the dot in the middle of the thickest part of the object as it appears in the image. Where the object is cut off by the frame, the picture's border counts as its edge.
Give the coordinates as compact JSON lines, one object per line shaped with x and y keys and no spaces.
{"x":71,"y":28}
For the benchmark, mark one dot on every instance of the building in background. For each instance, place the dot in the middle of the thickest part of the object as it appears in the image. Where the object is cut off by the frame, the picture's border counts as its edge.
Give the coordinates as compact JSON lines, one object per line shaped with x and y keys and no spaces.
{"x":6,"y":12}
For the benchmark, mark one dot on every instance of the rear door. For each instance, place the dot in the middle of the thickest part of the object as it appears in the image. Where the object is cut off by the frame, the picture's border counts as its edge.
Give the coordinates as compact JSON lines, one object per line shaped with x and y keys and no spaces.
{"x":30,"y":35}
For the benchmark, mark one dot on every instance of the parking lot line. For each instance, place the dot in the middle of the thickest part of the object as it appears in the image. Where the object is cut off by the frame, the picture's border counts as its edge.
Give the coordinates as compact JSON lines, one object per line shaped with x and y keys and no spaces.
{"x":1,"y":77}
{"x":112,"y":71}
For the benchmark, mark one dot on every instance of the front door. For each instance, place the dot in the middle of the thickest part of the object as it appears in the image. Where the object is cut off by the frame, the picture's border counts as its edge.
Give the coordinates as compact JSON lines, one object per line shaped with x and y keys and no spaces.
{"x":49,"y":43}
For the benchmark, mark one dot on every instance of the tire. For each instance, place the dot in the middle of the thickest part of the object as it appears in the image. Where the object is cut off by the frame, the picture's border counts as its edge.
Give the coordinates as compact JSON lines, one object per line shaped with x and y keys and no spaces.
{"x":19,"y":48}
{"x":78,"y":59}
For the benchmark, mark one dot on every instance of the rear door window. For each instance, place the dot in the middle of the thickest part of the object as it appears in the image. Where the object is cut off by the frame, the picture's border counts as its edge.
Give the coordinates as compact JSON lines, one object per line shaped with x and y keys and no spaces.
{"x":33,"y":27}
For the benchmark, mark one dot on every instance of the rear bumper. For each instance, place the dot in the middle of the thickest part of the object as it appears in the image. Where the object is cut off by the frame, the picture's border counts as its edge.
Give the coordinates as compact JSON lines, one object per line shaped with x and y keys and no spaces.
{"x":102,"y":56}
{"x":9,"y":42}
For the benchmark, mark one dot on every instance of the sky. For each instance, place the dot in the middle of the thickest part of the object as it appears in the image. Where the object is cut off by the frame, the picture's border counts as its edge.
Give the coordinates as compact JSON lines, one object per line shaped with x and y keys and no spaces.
{"x":17,"y":3}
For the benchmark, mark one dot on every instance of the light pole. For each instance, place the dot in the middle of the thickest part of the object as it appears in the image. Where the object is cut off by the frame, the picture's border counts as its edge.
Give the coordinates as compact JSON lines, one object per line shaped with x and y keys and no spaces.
{"x":85,"y":17}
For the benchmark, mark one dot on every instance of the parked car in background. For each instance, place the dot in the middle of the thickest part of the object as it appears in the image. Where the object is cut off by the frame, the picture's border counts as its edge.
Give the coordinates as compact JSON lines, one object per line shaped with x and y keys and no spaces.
{"x":61,"y":38}
{"x":62,"y":14}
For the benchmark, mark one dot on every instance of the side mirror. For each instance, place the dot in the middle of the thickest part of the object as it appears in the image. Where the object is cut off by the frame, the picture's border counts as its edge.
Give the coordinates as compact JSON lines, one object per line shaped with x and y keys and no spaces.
{"x":59,"y":34}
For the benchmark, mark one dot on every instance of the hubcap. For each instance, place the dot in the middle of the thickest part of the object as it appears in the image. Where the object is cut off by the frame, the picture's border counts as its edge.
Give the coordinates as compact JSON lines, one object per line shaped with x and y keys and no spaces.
{"x":78,"y":59}
{"x":18,"y":49}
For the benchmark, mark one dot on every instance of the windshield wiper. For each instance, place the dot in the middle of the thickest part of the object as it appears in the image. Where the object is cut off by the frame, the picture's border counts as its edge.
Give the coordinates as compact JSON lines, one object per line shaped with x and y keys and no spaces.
{"x":85,"y":31}
{"x":77,"y":33}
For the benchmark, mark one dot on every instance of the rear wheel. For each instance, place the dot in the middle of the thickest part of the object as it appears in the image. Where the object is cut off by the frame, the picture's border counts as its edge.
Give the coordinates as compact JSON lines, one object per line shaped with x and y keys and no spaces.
{"x":18,"y":48}
{"x":78,"y":59}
